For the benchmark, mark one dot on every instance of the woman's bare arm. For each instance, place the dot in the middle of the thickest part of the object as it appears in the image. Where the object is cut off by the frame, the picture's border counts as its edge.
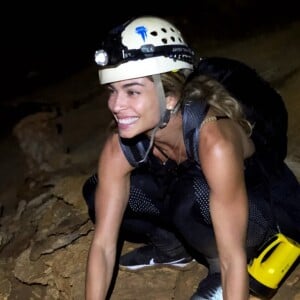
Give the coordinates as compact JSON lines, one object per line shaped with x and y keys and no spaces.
{"x":222,"y":157}
{"x":110,"y":202}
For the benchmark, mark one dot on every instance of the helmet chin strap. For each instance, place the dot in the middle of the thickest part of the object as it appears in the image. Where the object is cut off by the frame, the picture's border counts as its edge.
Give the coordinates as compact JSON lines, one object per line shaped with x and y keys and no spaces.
{"x":164,"y":112}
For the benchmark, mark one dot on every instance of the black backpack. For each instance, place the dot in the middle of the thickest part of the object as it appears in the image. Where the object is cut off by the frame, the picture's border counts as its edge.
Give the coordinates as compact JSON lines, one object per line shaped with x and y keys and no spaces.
{"x":263,"y":106}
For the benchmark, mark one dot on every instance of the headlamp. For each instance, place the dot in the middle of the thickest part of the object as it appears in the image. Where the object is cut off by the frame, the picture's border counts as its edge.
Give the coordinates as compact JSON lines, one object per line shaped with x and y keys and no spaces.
{"x":101,"y":58}
{"x":120,"y":54}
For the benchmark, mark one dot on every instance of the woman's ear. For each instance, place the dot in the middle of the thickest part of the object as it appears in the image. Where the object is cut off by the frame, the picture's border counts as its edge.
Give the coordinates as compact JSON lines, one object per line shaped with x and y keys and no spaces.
{"x":171,"y":102}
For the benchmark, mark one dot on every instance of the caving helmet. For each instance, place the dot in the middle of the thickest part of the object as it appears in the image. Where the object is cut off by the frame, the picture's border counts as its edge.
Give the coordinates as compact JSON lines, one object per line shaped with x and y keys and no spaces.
{"x":141,"y":47}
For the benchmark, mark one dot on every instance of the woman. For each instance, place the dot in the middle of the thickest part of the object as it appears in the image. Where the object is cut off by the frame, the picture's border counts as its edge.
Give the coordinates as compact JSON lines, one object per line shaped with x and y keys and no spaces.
{"x":210,"y":204}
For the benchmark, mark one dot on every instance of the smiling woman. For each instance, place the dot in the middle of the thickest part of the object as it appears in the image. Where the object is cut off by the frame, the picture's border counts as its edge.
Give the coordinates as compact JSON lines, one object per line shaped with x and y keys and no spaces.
{"x":187,"y":186}
{"x":278,"y":63}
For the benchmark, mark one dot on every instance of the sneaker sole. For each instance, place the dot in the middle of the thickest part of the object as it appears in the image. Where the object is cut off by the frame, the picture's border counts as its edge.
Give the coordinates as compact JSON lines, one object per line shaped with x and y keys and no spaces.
{"x":177,"y":266}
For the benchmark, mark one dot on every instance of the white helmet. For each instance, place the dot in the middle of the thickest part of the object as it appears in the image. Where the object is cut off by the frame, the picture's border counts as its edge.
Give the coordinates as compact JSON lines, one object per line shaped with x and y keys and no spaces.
{"x":141,"y":47}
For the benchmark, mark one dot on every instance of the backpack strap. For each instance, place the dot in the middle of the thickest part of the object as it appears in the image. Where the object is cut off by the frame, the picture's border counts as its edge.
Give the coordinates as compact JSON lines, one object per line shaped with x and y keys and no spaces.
{"x":135,"y":149}
{"x":193,"y":114}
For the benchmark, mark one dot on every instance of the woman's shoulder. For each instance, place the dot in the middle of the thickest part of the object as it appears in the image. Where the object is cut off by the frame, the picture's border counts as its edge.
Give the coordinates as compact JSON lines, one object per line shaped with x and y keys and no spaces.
{"x":112,"y":154}
{"x":225,"y":136}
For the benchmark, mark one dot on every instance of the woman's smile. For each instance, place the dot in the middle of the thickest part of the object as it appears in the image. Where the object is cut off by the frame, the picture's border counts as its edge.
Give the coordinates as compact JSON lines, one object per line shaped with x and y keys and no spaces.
{"x":127,"y":120}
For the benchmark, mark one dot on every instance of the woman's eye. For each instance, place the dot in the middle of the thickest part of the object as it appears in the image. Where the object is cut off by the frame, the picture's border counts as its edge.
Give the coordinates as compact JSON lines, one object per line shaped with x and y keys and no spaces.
{"x":132,"y":93}
{"x":110,"y":91}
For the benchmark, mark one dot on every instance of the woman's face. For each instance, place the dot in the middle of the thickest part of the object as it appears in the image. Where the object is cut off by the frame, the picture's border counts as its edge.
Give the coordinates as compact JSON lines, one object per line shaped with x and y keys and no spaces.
{"x":135,"y":106}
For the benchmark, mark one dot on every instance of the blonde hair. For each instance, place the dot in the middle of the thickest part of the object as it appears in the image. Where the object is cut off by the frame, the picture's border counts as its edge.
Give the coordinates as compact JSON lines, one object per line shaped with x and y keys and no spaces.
{"x":206,"y":89}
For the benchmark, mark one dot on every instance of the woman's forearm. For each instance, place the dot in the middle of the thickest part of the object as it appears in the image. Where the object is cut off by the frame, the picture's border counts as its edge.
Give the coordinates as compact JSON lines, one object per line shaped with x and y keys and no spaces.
{"x":99,"y":273}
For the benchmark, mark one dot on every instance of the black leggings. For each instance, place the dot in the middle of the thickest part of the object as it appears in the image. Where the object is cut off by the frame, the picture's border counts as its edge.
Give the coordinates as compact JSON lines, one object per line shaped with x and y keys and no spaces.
{"x":169,"y":205}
